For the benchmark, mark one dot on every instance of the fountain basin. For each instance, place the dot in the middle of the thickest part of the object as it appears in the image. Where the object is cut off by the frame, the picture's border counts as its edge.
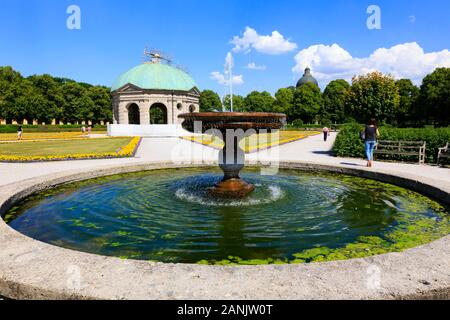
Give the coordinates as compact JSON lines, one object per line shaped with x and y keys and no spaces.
{"x":30,"y":269}
{"x":293,"y":217}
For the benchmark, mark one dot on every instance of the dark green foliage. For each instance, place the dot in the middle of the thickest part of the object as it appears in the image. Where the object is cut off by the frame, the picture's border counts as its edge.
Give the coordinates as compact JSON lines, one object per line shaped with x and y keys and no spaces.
{"x":44,"y":98}
{"x":284,"y":99}
{"x":210,"y":101}
{"x":348,"y":143}
{"x":238,"y":103}
{"x":408,"y":98}
{"x":373,"y":96}
{"x":307,"y":103}
{"x":334,"y":101}
{"x":259,"y":102}
{"x":434,"y":99}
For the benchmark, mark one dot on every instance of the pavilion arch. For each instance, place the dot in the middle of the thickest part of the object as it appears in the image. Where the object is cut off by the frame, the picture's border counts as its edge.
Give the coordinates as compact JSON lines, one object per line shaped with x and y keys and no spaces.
{"x":192,"y":108}
{"x":134,"y":116}
{"x":158,"y":114}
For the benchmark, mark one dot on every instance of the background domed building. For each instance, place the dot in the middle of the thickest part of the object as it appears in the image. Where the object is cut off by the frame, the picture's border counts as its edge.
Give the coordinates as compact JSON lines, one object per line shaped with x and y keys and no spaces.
{"x":307,"y":78}
{"x":153,"y":93}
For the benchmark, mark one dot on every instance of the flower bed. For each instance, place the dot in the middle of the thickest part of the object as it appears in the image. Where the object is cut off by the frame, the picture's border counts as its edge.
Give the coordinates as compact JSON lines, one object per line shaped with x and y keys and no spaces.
{"x":128,"y":150}
{"x":255,"y":142}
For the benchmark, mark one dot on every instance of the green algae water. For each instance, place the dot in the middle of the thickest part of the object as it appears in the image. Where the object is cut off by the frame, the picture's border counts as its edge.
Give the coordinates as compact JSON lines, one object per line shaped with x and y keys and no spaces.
{"x":293,"y":217}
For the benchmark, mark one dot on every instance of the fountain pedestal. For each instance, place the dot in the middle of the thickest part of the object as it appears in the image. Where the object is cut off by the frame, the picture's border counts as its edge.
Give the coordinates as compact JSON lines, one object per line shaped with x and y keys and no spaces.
{"x":231,"y":161}
{"x":232,"y":127}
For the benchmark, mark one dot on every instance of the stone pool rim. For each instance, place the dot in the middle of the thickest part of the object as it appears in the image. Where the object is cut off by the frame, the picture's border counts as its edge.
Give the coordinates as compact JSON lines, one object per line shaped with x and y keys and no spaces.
{"x":30,"y":269}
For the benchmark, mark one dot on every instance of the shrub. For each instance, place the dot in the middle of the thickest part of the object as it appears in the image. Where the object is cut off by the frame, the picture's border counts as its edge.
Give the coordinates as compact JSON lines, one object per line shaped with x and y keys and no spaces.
{"x":348,"y":143}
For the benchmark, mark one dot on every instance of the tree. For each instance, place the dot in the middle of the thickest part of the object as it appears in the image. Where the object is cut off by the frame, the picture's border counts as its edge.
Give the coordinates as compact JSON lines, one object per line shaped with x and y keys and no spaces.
{"x":284,"y":99}
{"x":408,"y":98}
{"x":434,"y":97}
{"x":334,"y":101}
{"x":52,"y":99}
{"x":210,"y":101}
{"x":44,"y":98}
{"x":373,"y":95}
{"x":10,"y":82}
{"x":307,"y":103}
{"x":77,"y":104}
{"x":259,"y":102}
{"x":102,"y":110}
{"x":238,"y":103}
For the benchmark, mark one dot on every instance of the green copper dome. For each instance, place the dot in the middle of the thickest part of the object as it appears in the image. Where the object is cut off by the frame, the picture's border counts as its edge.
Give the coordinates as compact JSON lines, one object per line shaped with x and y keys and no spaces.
{"x":156,"y":76}
{"x":307,"y":78}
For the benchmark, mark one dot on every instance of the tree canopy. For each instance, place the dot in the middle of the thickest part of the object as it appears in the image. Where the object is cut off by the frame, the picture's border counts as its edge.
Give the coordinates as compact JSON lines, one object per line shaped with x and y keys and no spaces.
{"x":373,"y":95}
{"x":210,"y":101}
{"x":398,"y":102}
{"x":334,"y":101}
{"x":307,"y":103}
{"x":44,"y":98}
{"x":434,"y":97}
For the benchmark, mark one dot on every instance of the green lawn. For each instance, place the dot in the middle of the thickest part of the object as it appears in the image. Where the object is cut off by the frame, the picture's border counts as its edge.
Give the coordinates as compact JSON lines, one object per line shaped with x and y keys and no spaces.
{"x":63,"y":147}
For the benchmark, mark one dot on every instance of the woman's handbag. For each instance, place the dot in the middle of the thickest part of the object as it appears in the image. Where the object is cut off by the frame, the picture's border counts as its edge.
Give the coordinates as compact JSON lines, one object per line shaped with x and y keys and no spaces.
{"x":362,"y":135}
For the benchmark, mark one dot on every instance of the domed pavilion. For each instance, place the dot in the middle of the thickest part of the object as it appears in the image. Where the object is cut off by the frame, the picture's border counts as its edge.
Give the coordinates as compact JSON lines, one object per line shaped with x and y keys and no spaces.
{"x":153,"y":93}
{"x":307,"y":78}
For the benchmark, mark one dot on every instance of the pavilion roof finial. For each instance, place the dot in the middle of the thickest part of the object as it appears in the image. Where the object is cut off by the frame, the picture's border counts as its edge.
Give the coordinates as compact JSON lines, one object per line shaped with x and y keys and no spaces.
{"x":155,"y":56}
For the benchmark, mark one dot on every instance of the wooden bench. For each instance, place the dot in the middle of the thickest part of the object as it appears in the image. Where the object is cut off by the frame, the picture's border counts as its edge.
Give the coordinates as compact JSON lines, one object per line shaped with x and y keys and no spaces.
{"x":402,"y":148}
{"x":443,"y":153}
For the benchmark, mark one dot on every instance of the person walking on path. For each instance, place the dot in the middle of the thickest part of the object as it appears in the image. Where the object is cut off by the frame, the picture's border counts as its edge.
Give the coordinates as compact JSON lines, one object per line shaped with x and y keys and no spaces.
{"x":19,"y":133}
{"x":83,"y":131}
{"x":370,"y":135}
{"x":326,"y":134}
{"x":89,"y":130}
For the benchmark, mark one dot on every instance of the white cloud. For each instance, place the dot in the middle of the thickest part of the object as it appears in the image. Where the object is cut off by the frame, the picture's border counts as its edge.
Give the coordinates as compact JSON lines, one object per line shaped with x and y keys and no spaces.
{"x":273,"y":44}
{"x":254,"y":66}
{"x":221,"y":79}
{"x":406,"y":60}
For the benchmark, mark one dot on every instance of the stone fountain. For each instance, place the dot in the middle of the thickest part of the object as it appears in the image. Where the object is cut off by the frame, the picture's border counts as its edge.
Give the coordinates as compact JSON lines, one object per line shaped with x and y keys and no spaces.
{"x":231,"y":128}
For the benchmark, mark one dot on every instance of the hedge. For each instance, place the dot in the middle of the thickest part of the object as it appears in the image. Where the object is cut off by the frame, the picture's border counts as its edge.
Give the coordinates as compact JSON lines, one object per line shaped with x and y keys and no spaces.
{"x":12,"y":128}
{"x":312,"y":126}
{"x":348,"y":143}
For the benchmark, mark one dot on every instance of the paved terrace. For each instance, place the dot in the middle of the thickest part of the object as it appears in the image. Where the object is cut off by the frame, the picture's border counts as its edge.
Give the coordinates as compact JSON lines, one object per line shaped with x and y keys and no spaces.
{"x":32,"y":269}
{"x":312,"y":150}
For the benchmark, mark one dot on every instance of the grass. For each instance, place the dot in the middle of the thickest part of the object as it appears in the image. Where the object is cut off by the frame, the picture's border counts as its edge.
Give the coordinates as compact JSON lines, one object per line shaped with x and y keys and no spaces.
{"x":63,"y":147}
{"x":34,"y":136}
{"x":256,"y":142}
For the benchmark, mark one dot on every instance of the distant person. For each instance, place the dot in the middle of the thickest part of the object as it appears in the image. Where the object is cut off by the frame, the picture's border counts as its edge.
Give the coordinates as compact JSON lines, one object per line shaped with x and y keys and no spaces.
{"x":19,"y":133}
{"x":89,"y":130}
{"x":370,"y":135}
{"x":83,"y":130}
{"x":326,"y":134}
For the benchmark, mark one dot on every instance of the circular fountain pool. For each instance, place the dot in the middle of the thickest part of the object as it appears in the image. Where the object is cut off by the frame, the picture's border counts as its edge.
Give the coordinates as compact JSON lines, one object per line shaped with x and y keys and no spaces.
{"x":293,"y":217}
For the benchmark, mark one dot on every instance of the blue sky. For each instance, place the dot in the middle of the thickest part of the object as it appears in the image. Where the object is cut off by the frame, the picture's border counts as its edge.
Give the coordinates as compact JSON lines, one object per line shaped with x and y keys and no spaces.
{"x":329,"y":36}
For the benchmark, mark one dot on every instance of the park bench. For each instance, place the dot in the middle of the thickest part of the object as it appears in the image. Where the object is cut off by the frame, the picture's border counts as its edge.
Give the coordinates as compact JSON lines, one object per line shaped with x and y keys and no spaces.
{"x":402,"y":148}
{"x":443,"y":153}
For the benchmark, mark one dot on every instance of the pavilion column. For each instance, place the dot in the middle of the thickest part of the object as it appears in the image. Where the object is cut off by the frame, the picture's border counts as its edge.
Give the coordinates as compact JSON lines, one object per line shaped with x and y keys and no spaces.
{"x":123,"y":113}
{"x":115,"y":106}
{"x":171,"y":104}
{"x":144,"y":110}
